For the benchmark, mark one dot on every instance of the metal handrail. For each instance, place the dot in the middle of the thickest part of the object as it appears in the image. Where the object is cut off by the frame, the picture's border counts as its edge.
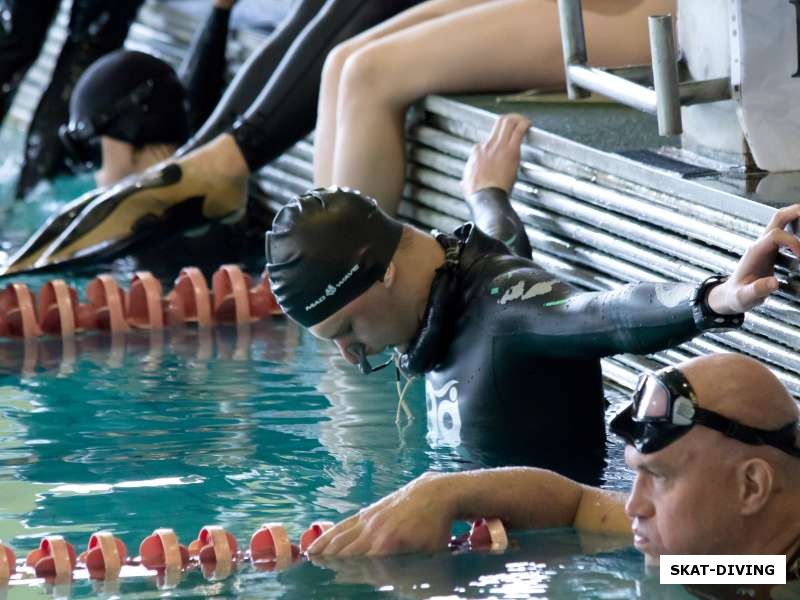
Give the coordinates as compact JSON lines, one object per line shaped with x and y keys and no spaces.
{"x":664,"y":98}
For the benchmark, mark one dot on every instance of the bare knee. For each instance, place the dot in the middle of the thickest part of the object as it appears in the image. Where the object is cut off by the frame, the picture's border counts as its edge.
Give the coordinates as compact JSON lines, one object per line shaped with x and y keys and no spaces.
{"x":371,"y":76}
{"x":335,"y":61}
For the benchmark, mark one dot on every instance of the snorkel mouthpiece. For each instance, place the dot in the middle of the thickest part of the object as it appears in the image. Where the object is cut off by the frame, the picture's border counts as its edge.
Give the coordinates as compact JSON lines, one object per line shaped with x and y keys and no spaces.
{"x":360,"y":352}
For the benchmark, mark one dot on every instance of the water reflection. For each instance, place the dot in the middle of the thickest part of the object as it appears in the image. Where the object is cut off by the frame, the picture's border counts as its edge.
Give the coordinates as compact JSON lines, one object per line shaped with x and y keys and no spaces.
{"x":192,"y":427}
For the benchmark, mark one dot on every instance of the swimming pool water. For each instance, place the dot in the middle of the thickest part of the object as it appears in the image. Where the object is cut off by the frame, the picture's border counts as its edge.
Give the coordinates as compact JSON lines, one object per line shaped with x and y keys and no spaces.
{"x":238,"y":427}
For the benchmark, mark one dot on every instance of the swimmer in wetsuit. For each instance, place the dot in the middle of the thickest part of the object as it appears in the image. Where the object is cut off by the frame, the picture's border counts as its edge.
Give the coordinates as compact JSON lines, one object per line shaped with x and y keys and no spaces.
{"x":95,"y":28}
{"x":510,"y":354}
{"x":130,"y":111}
{"x":270,"y":105}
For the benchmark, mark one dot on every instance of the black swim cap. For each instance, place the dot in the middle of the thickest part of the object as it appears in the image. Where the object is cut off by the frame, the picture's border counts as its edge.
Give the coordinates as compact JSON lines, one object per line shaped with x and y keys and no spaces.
{"x":326,"y":248}
{"x":129,"y":96}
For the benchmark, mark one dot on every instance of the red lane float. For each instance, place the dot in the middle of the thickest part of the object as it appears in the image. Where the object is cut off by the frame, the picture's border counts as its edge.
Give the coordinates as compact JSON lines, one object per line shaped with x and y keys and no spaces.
{"x":104,"y":553}
{"x":161,"y":551}
{"x":191,"y":298}
{"x":234,"y":300}
{"x":60,"y":312}
{"x":8,"y":562}
{"x":108,"y":301}
{"x":310,"y":535}
{"x":18,"y":311}
{"x":53,"y":558}
{"x":214,"y":545}
{"x":271,"y":543}
{"x":231,"y":290}
{"x":143,"y":305}
{"x":215,"y":551}
{"x":489,"y":534}
{"x":58,"y":308}
{"x":485,"y":534}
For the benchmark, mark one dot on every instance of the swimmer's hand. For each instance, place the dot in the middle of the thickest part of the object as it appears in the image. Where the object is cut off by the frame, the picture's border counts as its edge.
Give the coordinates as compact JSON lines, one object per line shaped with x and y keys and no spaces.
{"x":754,"y":279}
{"x":415,"y":518}
{"x":494,"y":163}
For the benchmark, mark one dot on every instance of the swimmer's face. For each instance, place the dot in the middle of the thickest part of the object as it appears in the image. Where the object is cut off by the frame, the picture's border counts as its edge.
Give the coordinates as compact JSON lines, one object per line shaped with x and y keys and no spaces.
{"x":373,"y":319}
{"x":683,"y":498}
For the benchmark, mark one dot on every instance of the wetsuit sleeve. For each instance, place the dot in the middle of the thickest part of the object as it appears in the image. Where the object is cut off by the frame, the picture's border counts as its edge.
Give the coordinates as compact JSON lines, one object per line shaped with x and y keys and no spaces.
{"x":493,"y":214}
{"x":286,"y":109}
{"x":23,"y":28}
{"x":96,"y":27}
{"x":638,"y":318}
{"x":203,"y":70}
{"x":253,"y":75}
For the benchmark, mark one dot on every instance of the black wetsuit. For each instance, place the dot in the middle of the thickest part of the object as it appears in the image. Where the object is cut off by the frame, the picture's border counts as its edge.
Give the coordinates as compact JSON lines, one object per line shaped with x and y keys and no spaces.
{"x":23,"y":28}
{"x":202,"y":72}
{"x":492,"y":211}
{"x":273,"y":99}
{"x":511,"y":354}
{"x":96,"y":27}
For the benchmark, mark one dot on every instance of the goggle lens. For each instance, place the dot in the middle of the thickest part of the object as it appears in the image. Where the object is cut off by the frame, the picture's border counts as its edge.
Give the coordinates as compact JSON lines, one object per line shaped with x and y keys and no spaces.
{"x":652,"y":401}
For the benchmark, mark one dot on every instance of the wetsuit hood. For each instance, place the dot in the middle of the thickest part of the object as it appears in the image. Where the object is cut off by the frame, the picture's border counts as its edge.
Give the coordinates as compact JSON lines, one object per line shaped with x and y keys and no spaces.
{"x":463,"y":249}
{"x":326,"y":248}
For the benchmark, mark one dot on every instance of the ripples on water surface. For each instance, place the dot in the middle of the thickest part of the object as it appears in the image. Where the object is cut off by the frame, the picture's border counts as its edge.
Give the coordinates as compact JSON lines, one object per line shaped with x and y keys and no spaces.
{"x":239,"y":427}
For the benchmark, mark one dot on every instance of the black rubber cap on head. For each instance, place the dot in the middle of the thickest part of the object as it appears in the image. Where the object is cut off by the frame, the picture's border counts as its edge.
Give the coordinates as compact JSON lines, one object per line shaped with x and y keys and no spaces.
{"x":326,"y":248}
{"x":133,"y":97}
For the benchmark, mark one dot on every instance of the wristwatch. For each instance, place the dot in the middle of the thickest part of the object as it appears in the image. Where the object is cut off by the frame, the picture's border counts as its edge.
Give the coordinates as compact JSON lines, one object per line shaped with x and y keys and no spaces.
{"x":706,"y":319}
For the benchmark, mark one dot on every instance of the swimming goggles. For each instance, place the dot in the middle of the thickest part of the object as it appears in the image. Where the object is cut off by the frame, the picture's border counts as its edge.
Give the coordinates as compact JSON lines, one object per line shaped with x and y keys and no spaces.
{"x":664,"y":407}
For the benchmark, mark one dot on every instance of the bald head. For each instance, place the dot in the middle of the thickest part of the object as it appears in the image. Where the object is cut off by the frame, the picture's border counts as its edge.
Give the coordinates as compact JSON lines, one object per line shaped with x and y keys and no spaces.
{"x":740,"y":388}
{"x":721,"y":495}
{"x":743,"y":389}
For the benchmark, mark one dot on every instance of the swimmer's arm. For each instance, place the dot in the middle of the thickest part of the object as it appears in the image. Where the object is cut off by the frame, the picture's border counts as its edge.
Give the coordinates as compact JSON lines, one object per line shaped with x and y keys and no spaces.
{"x":418,"y":517}
{"x":530,"y":498}
{"x":493,"y":214}
{"x":639,"y":318}
{"x":487,"y":181}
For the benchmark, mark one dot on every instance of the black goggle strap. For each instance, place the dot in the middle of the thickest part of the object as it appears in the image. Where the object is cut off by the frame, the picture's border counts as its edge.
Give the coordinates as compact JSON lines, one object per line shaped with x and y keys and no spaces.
{"x":784,"y":439}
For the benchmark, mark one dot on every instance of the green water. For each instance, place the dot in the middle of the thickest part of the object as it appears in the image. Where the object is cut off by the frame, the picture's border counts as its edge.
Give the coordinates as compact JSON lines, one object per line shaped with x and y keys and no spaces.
{"x":238,"y":427}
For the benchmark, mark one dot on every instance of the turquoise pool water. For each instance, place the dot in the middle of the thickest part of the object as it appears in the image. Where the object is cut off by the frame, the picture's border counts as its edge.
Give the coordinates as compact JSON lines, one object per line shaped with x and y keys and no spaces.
{"x":237,"y":427}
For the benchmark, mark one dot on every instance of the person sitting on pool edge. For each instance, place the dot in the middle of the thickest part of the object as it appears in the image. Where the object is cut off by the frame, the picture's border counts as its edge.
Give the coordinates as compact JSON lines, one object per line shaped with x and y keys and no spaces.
{"x":714,"y":443}
{"x":510,"y":353}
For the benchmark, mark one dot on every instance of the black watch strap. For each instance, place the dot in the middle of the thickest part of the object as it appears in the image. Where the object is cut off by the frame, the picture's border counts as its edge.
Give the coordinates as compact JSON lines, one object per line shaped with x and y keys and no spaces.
{"x":705,"y":318}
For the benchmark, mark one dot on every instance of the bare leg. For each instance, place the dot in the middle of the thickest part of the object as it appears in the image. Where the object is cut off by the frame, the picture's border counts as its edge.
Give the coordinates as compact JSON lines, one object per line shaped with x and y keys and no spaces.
{"x":497,"y":46}
{"x":325,"y":134}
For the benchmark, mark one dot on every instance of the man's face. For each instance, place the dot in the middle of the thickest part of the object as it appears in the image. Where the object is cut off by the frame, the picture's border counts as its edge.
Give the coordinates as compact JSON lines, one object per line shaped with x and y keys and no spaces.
{"x":683,"y":498}
{"x":373,"y":319}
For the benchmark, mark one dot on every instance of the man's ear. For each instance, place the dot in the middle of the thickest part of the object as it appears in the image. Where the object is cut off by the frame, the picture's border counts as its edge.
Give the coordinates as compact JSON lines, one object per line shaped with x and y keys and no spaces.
{"x":390,"y":275}
{"x":756,"y":479}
